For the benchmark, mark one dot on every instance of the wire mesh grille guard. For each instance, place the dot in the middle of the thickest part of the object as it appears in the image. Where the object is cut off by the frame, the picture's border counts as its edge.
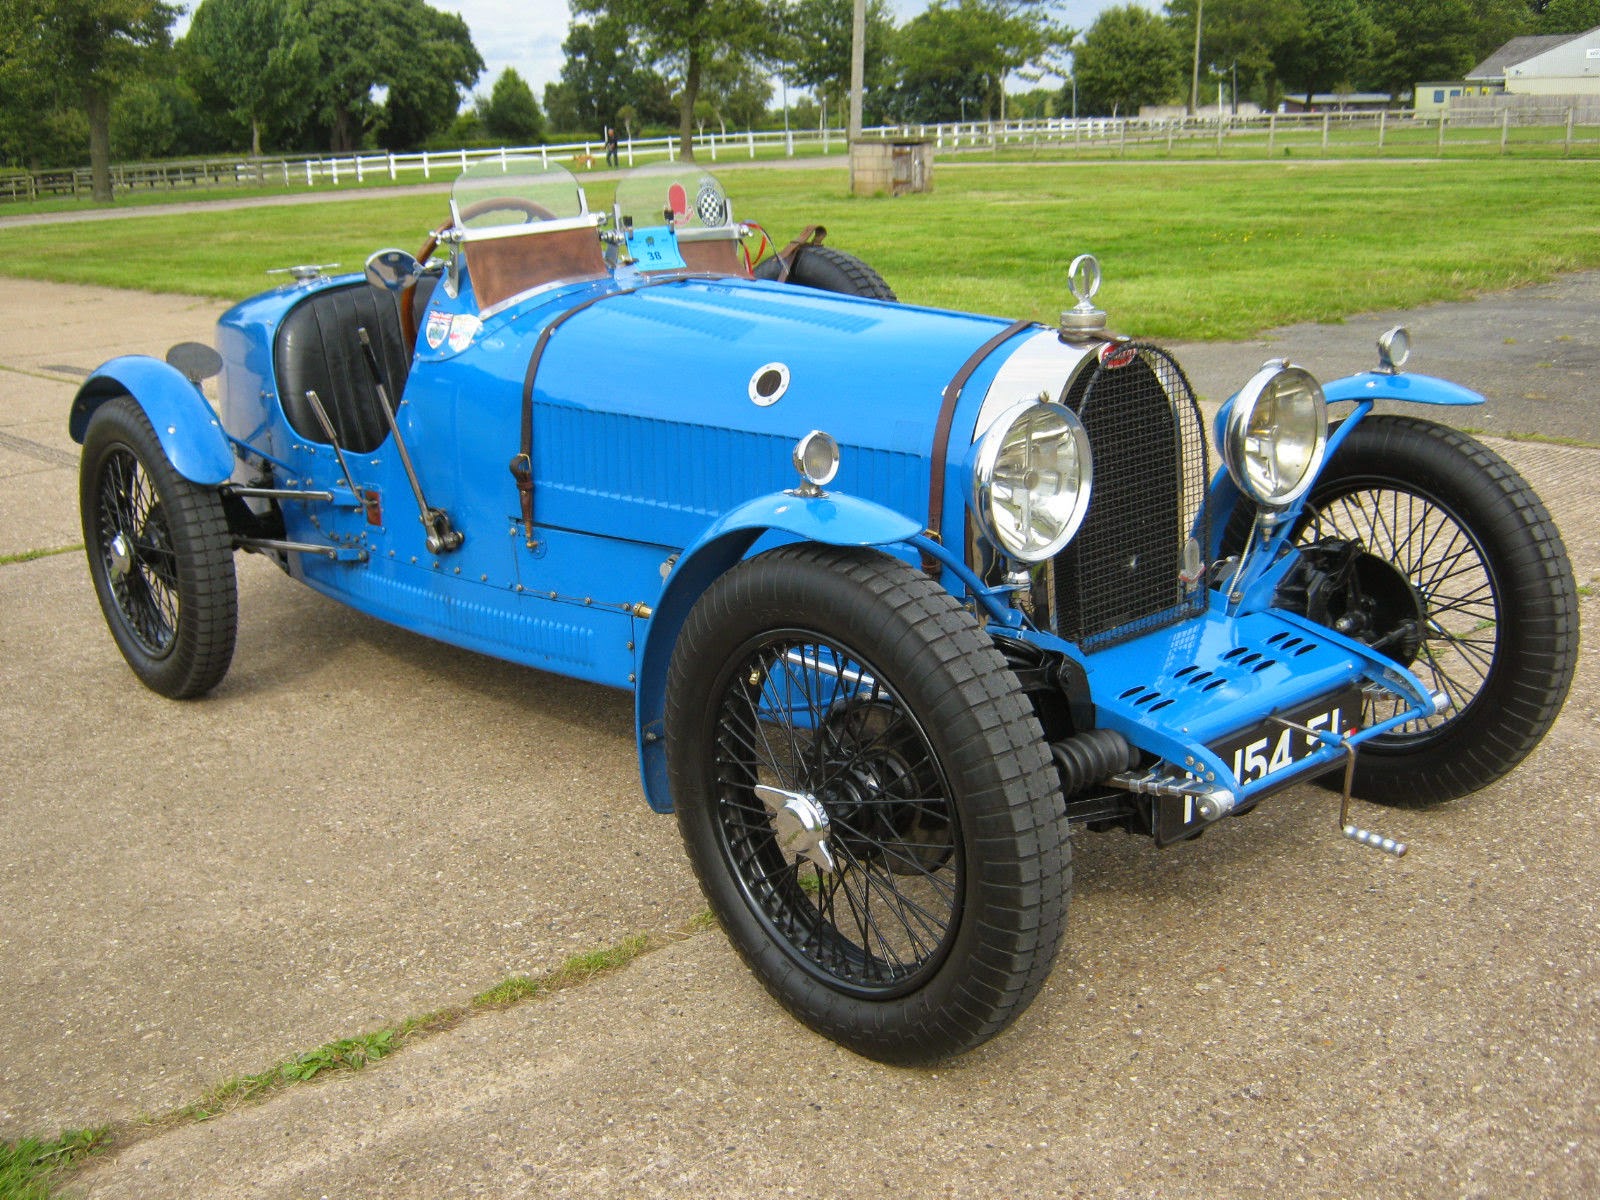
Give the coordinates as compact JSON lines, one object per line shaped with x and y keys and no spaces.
{"x":1120,"y":576}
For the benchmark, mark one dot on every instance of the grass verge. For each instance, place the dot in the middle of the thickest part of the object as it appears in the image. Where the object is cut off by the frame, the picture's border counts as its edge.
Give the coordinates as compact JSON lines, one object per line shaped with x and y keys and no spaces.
{"x":29,"y":1168}
{"x":1543,"y":439}
{"x":29,"y":555}
{"x":357,"y":1053}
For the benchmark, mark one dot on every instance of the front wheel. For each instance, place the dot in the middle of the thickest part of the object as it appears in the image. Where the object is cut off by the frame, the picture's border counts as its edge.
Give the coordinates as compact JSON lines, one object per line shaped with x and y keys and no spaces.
{"x":865,"y":797}
{"x":159,"y":554}
{"x":1465,"y":581}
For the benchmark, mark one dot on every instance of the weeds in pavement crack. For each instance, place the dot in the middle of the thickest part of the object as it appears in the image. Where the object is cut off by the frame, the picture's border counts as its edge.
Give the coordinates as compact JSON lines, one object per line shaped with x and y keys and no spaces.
{"x":28,"y":1166}
{"x":29,"y":555}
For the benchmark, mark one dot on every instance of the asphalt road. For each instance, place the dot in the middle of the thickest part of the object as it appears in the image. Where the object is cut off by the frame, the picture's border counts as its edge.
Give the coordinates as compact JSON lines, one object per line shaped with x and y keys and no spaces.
{"x":361,"y":826}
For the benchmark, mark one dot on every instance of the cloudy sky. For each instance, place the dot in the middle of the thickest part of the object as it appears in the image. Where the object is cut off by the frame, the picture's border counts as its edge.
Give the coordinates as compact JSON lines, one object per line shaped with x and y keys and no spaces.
{"x":528,"y":36}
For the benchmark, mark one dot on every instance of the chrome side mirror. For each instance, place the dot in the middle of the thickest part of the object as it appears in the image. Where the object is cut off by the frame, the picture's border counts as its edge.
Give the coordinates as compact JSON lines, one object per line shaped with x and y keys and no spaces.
{"x":391,"y":269}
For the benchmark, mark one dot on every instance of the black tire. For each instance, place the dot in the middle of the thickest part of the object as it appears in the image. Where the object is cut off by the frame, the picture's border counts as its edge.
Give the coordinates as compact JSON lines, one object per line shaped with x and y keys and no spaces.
{"x":830,"y":270}
{"x":941,"y":917}
{"x":1488,"y":572}
{"x":159,"y":553}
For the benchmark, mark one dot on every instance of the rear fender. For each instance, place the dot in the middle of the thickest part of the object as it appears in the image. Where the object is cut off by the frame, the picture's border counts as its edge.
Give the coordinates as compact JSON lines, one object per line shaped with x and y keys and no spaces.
{"x":186,"y":425}
{"x":830,"y":520}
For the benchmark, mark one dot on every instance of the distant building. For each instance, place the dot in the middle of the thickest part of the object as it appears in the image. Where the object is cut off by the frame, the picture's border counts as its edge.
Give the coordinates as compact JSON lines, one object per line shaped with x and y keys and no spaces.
{"x":1434,"y":97}
{"x":1491,"y":72}
{"x":1170,"y":112}
{"x":1338,"y":102}
{"x":1563,"y":65}
{"x":1569,"y":69}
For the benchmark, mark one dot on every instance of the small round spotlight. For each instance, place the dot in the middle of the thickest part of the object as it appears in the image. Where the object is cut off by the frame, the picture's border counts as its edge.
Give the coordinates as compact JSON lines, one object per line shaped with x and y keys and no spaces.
{"x":816,"y":457}
{"x":1394,"y":347}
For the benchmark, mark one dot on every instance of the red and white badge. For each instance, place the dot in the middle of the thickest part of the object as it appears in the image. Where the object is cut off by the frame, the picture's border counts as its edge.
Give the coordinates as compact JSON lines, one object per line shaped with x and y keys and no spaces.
{"x":462,"y":331}
{"x":437,"y":329}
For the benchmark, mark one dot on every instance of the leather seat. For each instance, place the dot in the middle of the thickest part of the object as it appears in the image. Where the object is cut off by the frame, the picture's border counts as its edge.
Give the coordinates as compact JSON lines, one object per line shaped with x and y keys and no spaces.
{"x":319,"y":349}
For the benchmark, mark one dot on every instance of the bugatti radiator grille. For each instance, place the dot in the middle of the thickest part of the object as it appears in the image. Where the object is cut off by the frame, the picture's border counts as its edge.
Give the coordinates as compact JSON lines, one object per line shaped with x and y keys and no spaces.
{"x":1125,"y":572}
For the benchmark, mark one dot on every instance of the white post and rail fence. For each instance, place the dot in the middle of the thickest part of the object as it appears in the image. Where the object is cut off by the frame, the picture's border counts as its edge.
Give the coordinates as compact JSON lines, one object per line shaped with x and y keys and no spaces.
{"x":1545,"y":130}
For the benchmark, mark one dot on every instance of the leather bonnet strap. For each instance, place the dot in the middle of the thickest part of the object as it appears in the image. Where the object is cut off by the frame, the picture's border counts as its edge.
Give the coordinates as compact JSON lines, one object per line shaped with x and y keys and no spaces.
{"x":947,"y":413}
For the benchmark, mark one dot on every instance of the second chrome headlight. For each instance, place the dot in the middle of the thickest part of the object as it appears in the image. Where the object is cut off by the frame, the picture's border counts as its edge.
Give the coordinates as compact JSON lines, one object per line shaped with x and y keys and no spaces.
{"x":1031,"y":480}
{"x":1276,"y":434}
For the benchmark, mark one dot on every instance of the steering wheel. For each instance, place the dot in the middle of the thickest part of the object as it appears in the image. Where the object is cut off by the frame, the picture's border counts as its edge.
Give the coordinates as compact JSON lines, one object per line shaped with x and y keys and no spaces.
{"x":408,"y":295}
{"x":533,"y":212}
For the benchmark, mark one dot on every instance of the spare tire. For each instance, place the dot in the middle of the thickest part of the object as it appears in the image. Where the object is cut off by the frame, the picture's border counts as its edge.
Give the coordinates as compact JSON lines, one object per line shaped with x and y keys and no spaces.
{"x":829,"y":270}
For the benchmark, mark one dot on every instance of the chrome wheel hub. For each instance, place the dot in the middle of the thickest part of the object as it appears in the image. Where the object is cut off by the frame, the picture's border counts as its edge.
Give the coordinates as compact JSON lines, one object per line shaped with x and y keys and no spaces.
{"x":800,"y":824}
{"x":119,"y":557}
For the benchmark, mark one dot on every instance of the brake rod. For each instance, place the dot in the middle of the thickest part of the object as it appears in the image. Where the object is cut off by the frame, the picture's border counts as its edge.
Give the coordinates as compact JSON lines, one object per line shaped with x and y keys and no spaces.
{"x":436,"y":521}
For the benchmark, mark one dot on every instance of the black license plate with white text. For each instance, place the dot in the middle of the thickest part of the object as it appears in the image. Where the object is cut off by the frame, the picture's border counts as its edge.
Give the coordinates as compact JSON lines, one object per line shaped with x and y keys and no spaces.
{"x":1264,"y":750}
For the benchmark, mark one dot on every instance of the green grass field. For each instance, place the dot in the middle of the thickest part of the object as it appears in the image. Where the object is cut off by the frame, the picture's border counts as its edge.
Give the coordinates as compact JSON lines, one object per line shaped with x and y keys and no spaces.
{"x":1190,"y":249}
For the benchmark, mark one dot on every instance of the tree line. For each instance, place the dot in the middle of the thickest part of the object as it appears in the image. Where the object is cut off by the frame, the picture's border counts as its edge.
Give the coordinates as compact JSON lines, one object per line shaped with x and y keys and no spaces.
{"x":108,"y":77}
{"x":1265,"y":50}
{"x":687,"y":62}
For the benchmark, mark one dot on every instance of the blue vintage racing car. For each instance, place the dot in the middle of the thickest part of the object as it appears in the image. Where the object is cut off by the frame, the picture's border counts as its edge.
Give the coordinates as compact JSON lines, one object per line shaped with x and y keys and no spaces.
{"x":904,"y":596}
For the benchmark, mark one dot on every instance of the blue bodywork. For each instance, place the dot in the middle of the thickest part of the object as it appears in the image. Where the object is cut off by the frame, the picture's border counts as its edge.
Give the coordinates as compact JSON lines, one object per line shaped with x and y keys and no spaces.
{"x":628,"y":478}
{"x":655,"y":468}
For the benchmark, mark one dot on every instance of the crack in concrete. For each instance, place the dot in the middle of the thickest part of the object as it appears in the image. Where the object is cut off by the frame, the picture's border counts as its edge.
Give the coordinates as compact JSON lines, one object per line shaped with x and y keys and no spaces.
{"x":38,"y":450}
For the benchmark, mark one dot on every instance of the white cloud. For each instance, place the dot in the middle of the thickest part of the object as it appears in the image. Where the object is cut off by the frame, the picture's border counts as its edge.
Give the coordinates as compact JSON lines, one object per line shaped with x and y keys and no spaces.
{"x":515,"y":33}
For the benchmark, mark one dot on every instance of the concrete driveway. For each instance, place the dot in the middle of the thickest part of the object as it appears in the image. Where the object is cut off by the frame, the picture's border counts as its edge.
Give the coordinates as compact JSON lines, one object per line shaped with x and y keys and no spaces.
{"x":361,"y":826}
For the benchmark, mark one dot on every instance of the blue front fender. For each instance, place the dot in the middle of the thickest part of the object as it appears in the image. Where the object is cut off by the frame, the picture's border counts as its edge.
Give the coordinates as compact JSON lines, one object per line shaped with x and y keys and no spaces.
{"x":830,"y":520}
{"x":1414,"y":389}
{"x":187,"y":427}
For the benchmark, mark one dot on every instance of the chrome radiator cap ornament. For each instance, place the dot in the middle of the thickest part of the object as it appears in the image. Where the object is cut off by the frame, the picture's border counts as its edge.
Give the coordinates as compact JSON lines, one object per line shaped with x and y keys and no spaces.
{"x":1084,"y":320}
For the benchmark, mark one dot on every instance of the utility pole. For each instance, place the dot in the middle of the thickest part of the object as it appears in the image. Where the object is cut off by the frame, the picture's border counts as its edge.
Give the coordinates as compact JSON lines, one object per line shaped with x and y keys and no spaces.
{"x":858,"y":71}
{"x":1194,"y":81}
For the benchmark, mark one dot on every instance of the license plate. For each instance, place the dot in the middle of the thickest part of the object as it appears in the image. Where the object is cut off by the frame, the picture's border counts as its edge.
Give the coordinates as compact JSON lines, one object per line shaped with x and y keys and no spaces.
{"x":1263,"y":751}
{"x":1270,"y":748}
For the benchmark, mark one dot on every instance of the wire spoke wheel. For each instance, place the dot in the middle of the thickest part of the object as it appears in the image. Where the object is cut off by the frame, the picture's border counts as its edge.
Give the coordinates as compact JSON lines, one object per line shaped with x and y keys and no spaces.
{"x":1459,"y":601}
{"x":1467,"y":585}
{"x":136,"y":550}
{"x":159,"y":553}
{"x":806,"y":716}
{"x":867,"y":801}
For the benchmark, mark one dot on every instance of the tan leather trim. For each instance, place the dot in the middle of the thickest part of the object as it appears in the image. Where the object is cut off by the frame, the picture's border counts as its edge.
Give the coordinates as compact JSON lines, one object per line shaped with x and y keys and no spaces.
{"x":720,"y":255}
{"x":506,"y":267}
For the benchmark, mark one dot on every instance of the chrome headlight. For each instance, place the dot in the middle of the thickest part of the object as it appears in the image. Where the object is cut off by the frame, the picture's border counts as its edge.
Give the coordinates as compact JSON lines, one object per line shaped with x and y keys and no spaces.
{"x":1276,"y":435}
{"x":1031,"y":480}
